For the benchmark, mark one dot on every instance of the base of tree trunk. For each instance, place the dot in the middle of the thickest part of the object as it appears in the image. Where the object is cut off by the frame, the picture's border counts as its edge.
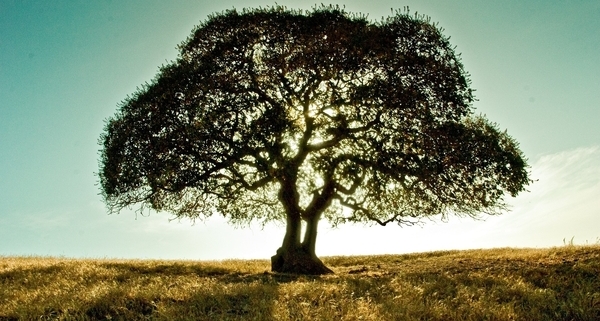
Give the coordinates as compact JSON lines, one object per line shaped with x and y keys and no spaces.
{"x":297,"y":261}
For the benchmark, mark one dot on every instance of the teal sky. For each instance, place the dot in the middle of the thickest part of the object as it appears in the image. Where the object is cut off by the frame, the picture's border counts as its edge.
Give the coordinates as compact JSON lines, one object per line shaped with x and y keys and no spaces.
{"x":65,"y":65}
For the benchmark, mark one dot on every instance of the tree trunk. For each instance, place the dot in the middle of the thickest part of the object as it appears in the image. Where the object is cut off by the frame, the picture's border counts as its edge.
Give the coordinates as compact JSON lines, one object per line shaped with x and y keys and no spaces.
{"x":293,"y":256}
{"x":292,"y":232}
{"x":310,"y":235}
{"x":299,"y":258}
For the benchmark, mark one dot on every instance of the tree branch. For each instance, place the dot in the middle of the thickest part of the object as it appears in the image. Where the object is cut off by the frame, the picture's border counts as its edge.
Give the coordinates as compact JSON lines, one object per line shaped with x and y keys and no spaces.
{"x":320,"y":201}
{"x":355,"y":207}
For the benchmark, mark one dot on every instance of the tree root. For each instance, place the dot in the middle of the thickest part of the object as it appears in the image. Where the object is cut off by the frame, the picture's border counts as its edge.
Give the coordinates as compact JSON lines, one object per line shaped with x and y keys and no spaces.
{"x":298,"y":261}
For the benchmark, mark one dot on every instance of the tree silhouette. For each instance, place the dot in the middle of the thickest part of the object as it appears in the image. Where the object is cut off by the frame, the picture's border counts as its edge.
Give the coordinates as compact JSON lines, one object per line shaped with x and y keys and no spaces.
{"x":276,"y":114}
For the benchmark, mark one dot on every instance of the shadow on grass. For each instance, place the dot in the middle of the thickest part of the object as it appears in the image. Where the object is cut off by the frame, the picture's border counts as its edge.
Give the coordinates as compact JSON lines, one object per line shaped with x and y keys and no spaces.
{"x":231,"y":297}
{"x":126,"y":271}
{"x":218,"y":293}
{"x":30,"y":278}
{"x":447,"y":288}
{"x":569,"y":290}
{"x":170,"y":269}
{"x":245,"y":301}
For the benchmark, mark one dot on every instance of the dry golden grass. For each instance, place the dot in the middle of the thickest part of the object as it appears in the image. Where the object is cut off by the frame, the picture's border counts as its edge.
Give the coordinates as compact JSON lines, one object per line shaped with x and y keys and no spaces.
{"x":500,"y":284}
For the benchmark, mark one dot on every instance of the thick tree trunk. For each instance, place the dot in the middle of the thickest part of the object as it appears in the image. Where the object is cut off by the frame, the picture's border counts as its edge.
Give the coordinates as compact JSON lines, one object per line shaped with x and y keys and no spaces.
{"x":294,"y":256}
{"x":310,"y":235}
{"x":297,"y":261}
{"x":299,"y":258}
{"x":292,"y":232}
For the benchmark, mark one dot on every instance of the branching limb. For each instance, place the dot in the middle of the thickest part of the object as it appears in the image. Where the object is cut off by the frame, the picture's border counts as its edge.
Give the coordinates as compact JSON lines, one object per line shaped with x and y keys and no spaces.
{"x":350,"y":203}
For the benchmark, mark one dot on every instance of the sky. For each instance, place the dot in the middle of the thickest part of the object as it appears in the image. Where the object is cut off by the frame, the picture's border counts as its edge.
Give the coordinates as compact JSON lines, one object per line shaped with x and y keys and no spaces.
{"x":65,"y":65}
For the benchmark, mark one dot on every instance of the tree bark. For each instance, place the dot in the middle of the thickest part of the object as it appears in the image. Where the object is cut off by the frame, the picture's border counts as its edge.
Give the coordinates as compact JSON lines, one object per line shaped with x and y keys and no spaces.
{"x":292,"y":232}
{"x":294,"y":256}
{"x":299,"y":258}
{"x":310,"y":235}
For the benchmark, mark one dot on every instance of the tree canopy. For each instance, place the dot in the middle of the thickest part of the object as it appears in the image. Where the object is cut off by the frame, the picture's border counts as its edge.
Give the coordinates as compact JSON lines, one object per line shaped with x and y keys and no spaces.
{"x":278,"y":114}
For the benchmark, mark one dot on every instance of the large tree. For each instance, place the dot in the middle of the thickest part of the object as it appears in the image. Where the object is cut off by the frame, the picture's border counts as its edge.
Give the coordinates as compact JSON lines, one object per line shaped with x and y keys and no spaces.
{"x":277,"y":114}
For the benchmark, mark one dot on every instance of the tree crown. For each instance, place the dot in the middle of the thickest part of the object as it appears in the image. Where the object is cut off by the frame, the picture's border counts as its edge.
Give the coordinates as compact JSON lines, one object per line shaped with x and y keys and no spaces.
{"x":273,"y":111}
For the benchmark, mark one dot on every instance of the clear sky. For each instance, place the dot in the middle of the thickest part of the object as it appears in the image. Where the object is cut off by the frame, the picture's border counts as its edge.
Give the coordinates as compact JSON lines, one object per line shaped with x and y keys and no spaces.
{"x":65,"y":65}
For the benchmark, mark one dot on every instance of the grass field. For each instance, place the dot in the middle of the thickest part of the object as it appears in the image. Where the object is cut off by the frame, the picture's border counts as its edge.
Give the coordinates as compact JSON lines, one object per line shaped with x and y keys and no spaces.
{"x":499,"y":284}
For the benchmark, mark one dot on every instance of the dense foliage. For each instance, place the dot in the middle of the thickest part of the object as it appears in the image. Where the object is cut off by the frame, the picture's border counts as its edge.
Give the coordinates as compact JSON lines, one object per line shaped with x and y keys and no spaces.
{"x":275,"y":114}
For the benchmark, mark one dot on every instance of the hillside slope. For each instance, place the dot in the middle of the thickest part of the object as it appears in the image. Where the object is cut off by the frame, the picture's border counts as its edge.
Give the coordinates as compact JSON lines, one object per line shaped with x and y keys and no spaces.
{"x":499,"y":284}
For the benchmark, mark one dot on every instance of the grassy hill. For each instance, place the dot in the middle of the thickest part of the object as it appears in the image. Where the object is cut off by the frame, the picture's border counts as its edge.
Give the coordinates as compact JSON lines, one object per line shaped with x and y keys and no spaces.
{"x":500,"y":284}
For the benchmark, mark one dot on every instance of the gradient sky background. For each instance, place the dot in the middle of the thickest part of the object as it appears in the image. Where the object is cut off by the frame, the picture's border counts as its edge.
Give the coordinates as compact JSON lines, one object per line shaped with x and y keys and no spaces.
{"x":64,"y":66}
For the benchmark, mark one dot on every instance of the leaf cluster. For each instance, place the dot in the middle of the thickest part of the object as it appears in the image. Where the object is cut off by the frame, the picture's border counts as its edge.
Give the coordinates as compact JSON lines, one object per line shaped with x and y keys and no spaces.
{"x":271,"y":111}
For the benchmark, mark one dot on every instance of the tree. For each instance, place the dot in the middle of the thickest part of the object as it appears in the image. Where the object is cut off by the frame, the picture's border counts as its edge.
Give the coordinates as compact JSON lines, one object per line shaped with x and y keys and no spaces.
{"x":276,"y":114}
